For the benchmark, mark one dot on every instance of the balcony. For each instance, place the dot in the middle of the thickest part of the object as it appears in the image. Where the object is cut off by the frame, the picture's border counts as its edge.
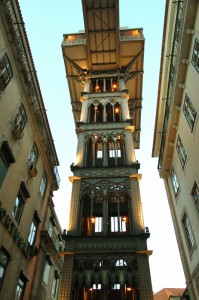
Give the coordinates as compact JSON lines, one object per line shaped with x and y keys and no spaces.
{"x":53,"y":240}
{"x":74,"y":39}
{"x":131,"y":34}
{"x":108,"y":244}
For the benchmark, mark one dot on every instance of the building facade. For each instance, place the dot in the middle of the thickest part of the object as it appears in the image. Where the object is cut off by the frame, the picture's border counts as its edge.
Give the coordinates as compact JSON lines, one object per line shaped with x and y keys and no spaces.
{"x":106,"y":255}
{"x":176,"y":136}
{"x":29,"y":239}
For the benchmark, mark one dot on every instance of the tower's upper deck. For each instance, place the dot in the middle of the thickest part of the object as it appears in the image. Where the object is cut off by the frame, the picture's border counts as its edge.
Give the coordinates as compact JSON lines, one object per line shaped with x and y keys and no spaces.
{"x":105,"y":50}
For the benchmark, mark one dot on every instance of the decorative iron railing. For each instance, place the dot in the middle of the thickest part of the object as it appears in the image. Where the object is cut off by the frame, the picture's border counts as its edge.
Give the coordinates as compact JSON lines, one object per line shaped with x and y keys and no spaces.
{"x":172,"y":73}
{"x":74,"y":39}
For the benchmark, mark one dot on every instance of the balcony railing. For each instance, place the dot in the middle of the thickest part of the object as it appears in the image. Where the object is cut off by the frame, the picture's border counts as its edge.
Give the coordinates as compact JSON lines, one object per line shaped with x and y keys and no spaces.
{"x":172,"y":73}
{"x":74,"y":39}
{"x":131,"y":34}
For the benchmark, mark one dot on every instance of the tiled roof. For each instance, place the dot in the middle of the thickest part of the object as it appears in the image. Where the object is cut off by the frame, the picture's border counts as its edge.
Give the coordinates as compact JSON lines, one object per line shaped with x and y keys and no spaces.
{"x":165,"y":293}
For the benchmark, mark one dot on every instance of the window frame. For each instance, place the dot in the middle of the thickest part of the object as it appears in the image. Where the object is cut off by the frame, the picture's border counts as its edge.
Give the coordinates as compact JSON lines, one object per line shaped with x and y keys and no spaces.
{"x":5,"y":69}
{"x":6,"y":159}
{"x":189,"y":112}
{"x":46,"y":273}
{"x":195,"y":195}
{"x":188,"y":231}
{"x":98,"y":225}
{"x":33,"y":228}
{"x":3,"y":266}
{"x":114,"y":225}
{"x":55,"y":284}
{"x":174,"y":181}
{"x":43,"y":185}
{"x":20,"y":119}
{"x":21,"y":284}
{"x":181,"y":151}
{"x":18,"y":207}
{"x":195,"y":55}
{"x":33,"y":155}
{"x":20,"y":201}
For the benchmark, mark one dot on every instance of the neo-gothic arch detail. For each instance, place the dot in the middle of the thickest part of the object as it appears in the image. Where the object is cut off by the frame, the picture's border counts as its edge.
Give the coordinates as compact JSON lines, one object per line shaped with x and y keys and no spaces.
{"x":114,"y":184}
{"x":104,"y":100}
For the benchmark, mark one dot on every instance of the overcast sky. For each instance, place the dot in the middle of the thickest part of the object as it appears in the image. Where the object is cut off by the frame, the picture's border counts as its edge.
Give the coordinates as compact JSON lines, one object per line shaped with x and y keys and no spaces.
{"x":46,"y":21}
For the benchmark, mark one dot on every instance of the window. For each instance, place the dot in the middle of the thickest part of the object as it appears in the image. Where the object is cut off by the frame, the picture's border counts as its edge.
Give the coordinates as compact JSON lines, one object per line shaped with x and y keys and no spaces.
{"x":98,"y":224}
{"x":46,"y":272}
{"x":20,"y":200}
{"x":5,"y":72}
{"x":55,"y":284}
{"x":43,"y":184}
{"x":33,"y":228}
{"x":115,"y":148}
{"x":19,"y":122}
{"x":195,"y":56}
{"x":188,"y":231}
{"x":32,"y":159}
{"x":20,"y":286}
{"x":116,"y":286}
{"x":97,"y":286}
{"x":6,"y":158}
{"x":195,"y":194}
{"x":189,"y":112}
{"x":181,"y":151}
{"x":174,"y":181}
{"x":4,"y":260}
{"x":99,"y":150}
{"x":20,"y":118}
{"x":118,"y":225}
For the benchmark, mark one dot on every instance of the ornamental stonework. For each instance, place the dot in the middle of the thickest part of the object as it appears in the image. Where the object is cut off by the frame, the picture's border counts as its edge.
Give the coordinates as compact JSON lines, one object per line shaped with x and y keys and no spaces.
{"x":97,"y":244}
{"x":104,"y":126}
{"x":114,"y":172}
{"x":108,"y":98}
{"x":111,"y":184}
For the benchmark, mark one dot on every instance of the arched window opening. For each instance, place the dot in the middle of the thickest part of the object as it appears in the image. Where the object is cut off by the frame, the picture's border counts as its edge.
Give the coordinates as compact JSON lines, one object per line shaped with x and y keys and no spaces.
{"x":116,"y":151}
{"x":117,"y":112}
{"x":6,"y":72}
{"x":99,"y":113}
{"x":91,"y":114}
{"x":108,"y":84}
{"x":92,"y":214}
{"x":89,"y":153}
{"x":99,"y":154}
{"x":109,"y":112}
{"x":97,"y":85}
{"x":85,"y":219}
{"x":114,"y":85}
{"x":118,"y":210}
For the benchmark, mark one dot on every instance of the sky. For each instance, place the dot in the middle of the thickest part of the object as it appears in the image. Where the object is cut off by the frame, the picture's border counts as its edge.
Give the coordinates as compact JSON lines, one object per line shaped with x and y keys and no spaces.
{"x":46,"y":21}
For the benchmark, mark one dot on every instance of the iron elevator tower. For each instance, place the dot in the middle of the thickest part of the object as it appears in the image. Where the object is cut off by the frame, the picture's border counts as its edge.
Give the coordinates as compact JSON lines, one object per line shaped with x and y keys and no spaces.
{"x":106,"y":254}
